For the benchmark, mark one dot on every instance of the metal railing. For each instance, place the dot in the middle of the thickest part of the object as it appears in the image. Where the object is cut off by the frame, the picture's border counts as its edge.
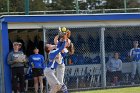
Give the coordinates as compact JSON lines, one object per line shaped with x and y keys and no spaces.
{"x":96,"y":11}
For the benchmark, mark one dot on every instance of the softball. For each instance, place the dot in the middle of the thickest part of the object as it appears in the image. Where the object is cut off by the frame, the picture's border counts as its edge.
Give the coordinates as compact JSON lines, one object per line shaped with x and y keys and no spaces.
{"x":63,"y":29}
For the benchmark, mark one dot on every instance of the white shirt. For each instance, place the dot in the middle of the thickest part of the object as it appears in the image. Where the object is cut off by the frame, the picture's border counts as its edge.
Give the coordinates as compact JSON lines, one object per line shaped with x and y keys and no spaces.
{"x":114,"y":65}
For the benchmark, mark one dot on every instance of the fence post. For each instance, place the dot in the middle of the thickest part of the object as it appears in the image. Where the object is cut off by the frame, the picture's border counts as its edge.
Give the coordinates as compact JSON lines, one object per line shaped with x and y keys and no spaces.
{"x":125,"y":7}
{"x":27,"y":7}
{"x":45,"y":55}
{"x":102,"y":52}
{"x":8,"y":6}
{"x":77,"y":6}
{"x":44,"y":39}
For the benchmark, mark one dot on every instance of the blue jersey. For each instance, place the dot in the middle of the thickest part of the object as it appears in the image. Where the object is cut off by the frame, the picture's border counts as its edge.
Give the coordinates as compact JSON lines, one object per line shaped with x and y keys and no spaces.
{"x":65,"y":50}
{"x":135,"y":54}
{"x":36,"y":61}
{"x":53,"y":54}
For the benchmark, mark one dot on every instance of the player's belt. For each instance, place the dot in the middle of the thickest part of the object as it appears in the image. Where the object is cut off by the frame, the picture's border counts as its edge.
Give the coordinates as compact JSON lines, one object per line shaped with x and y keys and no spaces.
{"x":52,"y":68}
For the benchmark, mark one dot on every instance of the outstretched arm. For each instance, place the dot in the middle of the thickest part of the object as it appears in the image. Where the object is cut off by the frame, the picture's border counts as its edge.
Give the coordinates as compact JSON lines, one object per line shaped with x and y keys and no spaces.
{"x":55,"y":52}
{"x":56,"y":39}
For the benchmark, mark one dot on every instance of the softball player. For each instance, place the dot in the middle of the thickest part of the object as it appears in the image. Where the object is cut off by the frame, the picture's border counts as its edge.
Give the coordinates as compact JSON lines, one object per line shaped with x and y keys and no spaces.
{"x":55,"y":58}
{"x":135,"y":56}
{"x":61,"y":67}
{"x":60,"y":71}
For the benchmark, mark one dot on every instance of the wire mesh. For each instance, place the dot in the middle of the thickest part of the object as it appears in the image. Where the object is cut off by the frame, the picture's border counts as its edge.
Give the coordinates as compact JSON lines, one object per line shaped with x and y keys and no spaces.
{"x":120,"y":39}
{"x":84,"y":68}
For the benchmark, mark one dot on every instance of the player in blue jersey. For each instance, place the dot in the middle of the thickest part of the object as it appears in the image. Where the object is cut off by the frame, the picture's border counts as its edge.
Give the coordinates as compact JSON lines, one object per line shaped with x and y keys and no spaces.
{"x":36,"y":62}
{"x":60,"y":71}
{"x":135,"y":56}
{"x":55,"y":58}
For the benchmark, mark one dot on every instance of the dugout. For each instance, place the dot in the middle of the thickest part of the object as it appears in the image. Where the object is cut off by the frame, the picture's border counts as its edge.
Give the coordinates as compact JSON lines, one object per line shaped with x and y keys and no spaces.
{"x":45,"y":27}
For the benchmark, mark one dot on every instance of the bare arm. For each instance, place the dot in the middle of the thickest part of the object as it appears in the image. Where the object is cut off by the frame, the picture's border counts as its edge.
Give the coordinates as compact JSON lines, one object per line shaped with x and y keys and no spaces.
{"x":56,"y":39}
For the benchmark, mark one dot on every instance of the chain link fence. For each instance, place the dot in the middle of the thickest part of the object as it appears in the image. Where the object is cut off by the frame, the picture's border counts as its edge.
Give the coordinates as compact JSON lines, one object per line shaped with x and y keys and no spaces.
{"x":120,"y":39}
{"x":84,"y":69}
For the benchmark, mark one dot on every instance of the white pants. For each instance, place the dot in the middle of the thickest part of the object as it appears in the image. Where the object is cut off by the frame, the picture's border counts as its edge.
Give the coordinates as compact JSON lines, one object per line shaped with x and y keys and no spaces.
{"x":135,"y":66}
{"x":60,"y":72}
{"x":52,"y":80}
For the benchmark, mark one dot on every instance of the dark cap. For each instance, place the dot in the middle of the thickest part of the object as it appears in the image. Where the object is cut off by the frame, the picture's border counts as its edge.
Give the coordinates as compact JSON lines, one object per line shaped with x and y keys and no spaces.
{"x":135,"y":41}
{"x":35,"y":48}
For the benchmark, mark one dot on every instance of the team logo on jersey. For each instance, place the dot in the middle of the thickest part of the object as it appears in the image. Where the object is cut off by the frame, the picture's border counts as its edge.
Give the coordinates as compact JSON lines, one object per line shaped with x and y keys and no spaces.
{"x":36,"y":58}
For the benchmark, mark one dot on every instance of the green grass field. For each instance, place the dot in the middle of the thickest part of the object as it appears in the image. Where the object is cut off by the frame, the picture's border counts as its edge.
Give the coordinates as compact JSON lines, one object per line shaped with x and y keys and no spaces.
{"x":115,"y":90}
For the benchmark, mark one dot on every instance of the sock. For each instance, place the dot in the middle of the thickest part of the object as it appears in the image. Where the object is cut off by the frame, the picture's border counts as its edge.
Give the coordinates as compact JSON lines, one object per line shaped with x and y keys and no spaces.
{"x":64,"y":88}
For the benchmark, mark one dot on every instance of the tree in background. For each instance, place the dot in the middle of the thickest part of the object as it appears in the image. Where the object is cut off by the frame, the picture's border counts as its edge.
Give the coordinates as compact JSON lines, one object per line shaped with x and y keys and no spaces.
{"x":16,"y":5}
{"x":19,"y":5}
{"x":3,"y":5}
{"x":111,"y":4}
{"x":83,"y":6}
{"x":37,"y":5}
{"x":71,"y":4}
{"x":133,"y":3}
{"x":61,"y":5}
{"x":91,"y":4}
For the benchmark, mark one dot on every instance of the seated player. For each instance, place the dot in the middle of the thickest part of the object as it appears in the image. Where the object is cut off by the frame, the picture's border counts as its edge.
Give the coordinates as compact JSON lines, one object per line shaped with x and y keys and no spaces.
{"x":114,"y":69}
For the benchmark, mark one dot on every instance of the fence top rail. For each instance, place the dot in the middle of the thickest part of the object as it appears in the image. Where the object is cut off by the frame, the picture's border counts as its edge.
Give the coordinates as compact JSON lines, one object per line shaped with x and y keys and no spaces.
{"x":95,"y":11}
